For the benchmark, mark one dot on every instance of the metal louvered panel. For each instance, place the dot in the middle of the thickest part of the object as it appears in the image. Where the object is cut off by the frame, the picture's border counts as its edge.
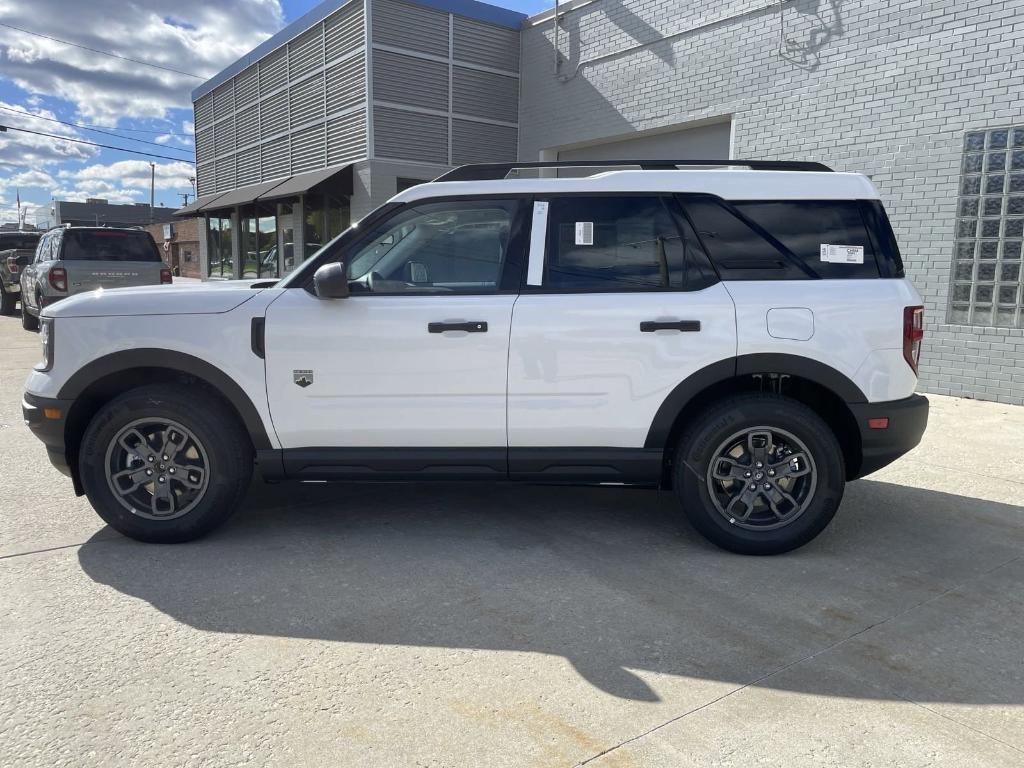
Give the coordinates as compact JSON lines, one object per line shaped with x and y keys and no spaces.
{"x":346,"y":84}
{"x":224,"y":136}
{"x":204,"y":145}
{"x":247,"y":125}
{"x":306,"y":101}
{"x":203,"y":111}
{"x":274,"y":159}
{"x":226,"y":173}
{"x":410,"y":135}
{"x":344,"y":30}
{"x":346,"y":138}
{"x":206,"y":182}
{"x":410,"y":26}
{"x":306,"y":52}
{"x":223,"y":100}
{"x":309,"y":151}
{"x":482,"y":143}
{"x":274,"y":114}
{"x":247,"y":86}
{"x":408,"y":80}
{"x":248,"y":166}
{"x":483,"y":94}
{"x":273,"y":70}
{"x":485,"y":44}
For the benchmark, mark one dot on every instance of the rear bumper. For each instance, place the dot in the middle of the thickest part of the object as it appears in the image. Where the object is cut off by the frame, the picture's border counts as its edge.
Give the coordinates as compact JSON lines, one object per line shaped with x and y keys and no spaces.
{"x":46,"y":417}
{"x":908,"y":419}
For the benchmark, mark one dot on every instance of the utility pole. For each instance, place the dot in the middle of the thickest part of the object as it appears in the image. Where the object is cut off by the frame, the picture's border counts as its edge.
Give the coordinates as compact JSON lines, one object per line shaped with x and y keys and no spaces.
{"x":152,"y":188}
{"x":184,"y":198}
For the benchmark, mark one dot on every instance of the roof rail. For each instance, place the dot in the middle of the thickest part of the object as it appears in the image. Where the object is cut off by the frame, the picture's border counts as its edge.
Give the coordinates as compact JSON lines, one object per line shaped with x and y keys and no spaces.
{"x":495,"y":171}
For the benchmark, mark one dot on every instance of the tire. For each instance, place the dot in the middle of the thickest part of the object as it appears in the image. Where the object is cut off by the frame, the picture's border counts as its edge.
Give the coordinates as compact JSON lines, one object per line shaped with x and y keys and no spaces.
{"x":7,"y":301}
{"x":715,"y":473}
{"x":209,"y":449}
{"x":28,"y":322}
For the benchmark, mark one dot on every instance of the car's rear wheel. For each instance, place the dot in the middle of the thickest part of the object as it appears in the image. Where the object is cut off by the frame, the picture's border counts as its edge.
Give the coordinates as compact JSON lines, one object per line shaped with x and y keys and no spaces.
{"x":28,"y":321}
{"x":759,"y":474}
{"x":165,"y":464}
{"x":8,"y":300}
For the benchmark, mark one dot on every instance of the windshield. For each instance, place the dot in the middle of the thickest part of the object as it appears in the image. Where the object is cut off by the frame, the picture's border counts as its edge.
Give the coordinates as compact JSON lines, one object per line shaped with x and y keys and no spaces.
{"x":109,"y":245}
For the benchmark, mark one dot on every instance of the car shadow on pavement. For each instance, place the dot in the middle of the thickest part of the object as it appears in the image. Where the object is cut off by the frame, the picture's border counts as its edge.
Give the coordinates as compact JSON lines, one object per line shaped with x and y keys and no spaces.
{"x":609,"y":580}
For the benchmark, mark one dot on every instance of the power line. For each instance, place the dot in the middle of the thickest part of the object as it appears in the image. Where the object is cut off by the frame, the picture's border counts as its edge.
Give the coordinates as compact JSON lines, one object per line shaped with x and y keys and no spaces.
{"x":104,"y":53}
{"x":90,"y":127}
{"x":94,"y":144}
{"x":97,"y":130}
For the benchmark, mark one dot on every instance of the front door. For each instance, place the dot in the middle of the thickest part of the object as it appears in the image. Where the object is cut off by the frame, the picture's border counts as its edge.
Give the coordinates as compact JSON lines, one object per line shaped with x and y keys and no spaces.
{"x":415,"y":359}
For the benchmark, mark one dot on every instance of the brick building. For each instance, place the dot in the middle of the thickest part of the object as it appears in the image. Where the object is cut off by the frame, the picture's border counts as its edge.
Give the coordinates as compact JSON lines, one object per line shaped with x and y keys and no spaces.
{"x":179,"y":243}
{"x":925,"y":98}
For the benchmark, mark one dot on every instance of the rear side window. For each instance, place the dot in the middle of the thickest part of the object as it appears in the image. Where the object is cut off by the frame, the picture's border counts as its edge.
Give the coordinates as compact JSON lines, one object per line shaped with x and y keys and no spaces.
{"x":785,"y":240}
{"x":108,"y":245}
{"x":612,"y":244}
{"x":18,"y":241}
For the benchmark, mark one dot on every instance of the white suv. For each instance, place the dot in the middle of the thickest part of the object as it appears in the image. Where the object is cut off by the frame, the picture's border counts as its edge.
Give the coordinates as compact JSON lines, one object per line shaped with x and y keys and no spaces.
{"x":744,"y":337}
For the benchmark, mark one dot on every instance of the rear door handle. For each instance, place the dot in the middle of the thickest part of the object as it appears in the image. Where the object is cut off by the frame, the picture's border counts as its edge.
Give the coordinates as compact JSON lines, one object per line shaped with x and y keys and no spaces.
{"x":473,"y":326}
{"x":685,"y":326}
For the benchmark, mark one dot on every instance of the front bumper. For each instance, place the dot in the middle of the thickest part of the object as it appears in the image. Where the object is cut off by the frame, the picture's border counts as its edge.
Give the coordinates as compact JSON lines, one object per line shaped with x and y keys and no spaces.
{"x":46,"y":417}
{"x":907,"y":420}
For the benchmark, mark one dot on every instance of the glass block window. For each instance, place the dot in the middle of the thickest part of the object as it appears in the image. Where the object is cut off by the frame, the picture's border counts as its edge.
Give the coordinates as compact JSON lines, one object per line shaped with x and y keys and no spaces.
{"x":989,"y":230}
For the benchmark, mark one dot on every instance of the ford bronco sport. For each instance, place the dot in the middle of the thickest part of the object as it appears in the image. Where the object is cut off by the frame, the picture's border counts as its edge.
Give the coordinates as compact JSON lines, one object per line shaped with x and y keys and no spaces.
{"x":742,"y":335}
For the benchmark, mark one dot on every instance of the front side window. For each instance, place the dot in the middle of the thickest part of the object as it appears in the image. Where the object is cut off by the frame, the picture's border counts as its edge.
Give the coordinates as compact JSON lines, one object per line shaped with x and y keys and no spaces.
{"x":612,"y":244}
{"x":449,"y":247}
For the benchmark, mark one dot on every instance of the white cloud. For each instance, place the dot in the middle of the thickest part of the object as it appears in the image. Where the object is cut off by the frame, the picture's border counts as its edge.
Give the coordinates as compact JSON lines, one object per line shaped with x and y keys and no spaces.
{"x":20,"y":150}
{"x":187,"y":126}
{"x":123,"y":181}
{"x":105,"y":89}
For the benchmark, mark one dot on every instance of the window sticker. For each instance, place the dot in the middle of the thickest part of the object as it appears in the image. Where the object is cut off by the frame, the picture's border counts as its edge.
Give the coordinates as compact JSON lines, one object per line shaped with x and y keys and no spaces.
{"x":584,"y":233}
{"x":842,"y":254}
{"x":538,"y":235}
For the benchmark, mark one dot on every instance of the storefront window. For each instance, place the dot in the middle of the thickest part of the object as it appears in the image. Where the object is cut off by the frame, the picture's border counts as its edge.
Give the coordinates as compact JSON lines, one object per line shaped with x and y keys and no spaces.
{"x":220,"y":242}
{"x":259,"y":242}
{"x":286,"y":236}
{"x":326,"y":218}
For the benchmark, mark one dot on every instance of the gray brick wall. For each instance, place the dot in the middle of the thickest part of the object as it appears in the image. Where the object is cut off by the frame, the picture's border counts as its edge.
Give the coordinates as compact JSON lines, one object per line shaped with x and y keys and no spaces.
{"x":884,"y":87}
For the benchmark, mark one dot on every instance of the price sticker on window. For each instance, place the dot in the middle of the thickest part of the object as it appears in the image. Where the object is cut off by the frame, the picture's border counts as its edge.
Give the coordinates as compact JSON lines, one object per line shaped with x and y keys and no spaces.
{"x":584,"y":233}
{"x":842,"y":254}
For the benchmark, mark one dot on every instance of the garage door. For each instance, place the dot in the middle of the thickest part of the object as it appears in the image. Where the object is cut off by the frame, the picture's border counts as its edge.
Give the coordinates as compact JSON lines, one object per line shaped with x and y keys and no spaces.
{"x":705,"y":141}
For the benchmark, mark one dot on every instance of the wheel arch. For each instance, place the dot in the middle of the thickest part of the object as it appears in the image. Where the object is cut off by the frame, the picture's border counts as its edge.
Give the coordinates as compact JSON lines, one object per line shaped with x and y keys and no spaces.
{"x":106,"y":377}
{"x":824,"y":389}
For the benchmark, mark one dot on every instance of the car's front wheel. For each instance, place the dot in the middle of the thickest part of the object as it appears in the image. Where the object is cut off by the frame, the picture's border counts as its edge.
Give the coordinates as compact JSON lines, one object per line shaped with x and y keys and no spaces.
{"x":165,"y":463}
{"x":759,"y":474}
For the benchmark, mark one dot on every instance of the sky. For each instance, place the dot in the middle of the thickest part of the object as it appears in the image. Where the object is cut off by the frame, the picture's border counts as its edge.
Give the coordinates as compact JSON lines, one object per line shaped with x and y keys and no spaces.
{"x":43,"y":81}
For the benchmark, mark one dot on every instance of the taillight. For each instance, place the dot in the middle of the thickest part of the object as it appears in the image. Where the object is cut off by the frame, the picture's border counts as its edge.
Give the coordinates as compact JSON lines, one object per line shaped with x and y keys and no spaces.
{"x":12,"y":264}
{"x":913,"y":334}
{"x":58,"y":277}
{"x":165,"y":276}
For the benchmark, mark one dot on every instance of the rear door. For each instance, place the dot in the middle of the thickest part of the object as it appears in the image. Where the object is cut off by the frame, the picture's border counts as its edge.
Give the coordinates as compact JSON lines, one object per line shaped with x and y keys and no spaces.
{"x":619,"y":310}
{"x":109,"y":258}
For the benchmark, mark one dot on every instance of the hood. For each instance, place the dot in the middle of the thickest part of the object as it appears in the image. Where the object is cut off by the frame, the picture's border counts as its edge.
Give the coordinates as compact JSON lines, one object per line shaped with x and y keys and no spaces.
{"x":207,"y":298}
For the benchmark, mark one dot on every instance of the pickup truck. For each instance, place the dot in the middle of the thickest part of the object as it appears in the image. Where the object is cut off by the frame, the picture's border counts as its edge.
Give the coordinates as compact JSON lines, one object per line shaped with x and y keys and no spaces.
{"x":13,"y":245}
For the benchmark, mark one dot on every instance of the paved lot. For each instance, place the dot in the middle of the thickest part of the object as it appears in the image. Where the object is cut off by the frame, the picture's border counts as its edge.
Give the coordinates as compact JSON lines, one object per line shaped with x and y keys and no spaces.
{"x":506,"y":626}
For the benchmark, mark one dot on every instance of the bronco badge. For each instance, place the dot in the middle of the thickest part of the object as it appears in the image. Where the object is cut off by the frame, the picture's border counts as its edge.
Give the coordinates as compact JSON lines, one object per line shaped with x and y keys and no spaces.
{"x":302,"y":378}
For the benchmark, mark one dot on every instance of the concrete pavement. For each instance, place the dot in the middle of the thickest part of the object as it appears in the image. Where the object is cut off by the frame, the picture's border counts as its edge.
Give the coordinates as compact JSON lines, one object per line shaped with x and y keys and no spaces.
{"x":446,"y":625}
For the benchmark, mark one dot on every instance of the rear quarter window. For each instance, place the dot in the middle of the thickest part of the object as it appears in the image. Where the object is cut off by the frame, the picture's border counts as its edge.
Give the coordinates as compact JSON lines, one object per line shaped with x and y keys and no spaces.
{"x":108,"y":245}
{"x":787,"y":239}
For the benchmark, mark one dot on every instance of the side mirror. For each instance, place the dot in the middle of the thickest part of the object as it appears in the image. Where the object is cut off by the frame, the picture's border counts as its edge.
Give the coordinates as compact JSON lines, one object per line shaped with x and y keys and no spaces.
{"x":331,"y":281}
{"x":23,"y":261}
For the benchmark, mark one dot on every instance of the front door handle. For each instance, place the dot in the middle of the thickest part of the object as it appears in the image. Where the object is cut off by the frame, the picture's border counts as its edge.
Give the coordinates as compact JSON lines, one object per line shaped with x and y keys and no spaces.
{"x":684,"y":326}
{"x":473,"y":326}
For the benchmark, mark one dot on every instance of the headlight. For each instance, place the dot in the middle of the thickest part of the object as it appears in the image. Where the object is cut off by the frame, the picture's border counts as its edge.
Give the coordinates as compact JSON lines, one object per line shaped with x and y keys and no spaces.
{"x":46,"y":337}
